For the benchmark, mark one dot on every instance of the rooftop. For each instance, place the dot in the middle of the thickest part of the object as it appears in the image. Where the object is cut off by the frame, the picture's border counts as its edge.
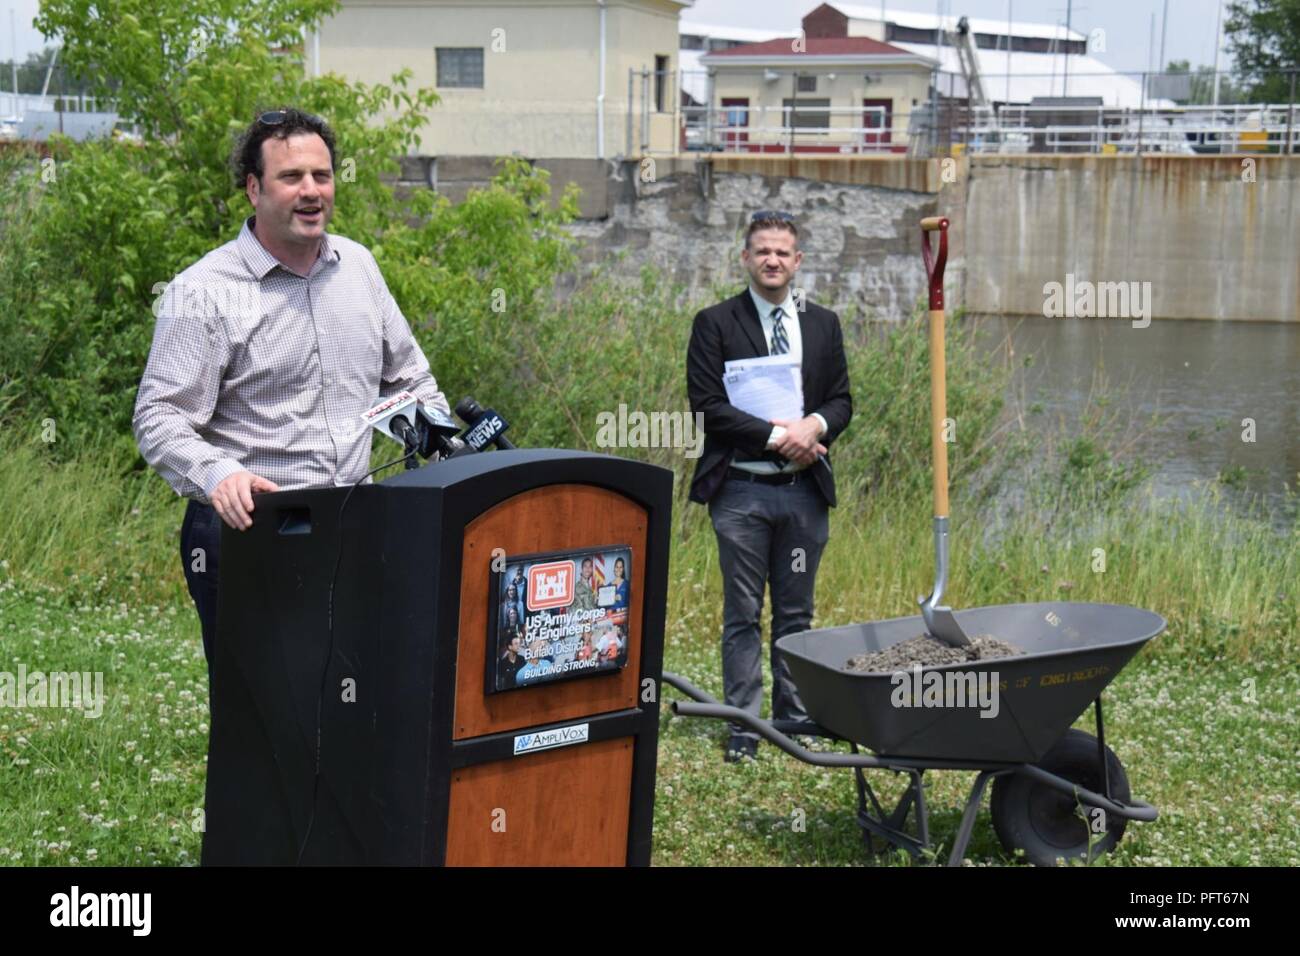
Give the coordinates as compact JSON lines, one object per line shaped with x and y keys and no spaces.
{"x":814,"y":46}
{"x":716,"y":31}
{"x":929,"y":21}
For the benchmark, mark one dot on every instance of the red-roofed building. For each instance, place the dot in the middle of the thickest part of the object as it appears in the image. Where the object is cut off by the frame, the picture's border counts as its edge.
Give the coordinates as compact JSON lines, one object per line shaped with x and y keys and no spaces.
{"x":822,"y":94}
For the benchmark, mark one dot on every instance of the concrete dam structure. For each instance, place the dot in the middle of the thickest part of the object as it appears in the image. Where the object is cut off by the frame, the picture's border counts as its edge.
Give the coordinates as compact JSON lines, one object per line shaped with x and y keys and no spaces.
{"x":1168,"y":236}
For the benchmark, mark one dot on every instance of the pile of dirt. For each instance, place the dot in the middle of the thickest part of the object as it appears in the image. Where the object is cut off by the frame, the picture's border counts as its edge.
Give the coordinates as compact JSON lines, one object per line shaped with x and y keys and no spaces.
{"x":929,"y":651}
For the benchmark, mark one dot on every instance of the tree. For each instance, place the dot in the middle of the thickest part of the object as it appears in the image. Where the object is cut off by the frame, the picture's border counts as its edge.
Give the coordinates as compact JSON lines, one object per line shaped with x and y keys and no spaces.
{"x":1202,"y":84}
{"x":191,"y":74}
{"x":31,"y":72}
{"x":1264,"y":40}
{"x":92,"y":233}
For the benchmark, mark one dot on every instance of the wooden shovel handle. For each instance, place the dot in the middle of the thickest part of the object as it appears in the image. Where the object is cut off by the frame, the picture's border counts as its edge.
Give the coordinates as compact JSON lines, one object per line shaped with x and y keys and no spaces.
{"x":938,"y":379}
{"x":938,"y":412}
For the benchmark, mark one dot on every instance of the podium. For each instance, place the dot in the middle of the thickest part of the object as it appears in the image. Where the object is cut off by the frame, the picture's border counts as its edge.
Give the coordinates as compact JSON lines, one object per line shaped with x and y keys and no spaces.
{"x":373,"y":633}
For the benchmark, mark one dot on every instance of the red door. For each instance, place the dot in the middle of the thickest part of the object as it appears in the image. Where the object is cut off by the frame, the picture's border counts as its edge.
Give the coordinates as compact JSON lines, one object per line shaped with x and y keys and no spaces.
{"x":735,"y":119}
{"x":877,"y":114}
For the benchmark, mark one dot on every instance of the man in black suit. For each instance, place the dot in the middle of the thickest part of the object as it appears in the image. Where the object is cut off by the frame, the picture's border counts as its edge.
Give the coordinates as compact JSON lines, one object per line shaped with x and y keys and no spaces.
{"x":768,"y":484}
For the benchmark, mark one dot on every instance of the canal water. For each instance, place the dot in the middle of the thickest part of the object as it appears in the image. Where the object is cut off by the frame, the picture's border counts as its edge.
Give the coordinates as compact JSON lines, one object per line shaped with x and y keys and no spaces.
{"x":1189,"y":392}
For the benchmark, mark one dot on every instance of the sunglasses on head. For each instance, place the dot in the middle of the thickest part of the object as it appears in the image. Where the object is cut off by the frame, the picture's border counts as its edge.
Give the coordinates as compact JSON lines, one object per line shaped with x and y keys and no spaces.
{"x":778,"y":214}
{"x":276,"y":117}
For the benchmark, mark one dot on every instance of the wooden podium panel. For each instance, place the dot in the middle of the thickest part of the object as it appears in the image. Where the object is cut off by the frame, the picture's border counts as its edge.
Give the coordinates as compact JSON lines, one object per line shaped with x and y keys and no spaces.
{"x":563,"y":807}
{"x":552,"y":518}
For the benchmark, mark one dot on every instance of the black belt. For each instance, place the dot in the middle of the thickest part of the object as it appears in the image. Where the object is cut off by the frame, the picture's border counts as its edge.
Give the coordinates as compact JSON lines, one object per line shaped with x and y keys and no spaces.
{"x":785,"y":478}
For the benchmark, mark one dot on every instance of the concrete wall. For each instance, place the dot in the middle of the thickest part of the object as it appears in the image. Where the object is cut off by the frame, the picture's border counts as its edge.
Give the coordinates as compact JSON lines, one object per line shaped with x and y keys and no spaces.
{"x":540,"y":68}
{"x":892,"y":172}
{"x":1212,"y":243}
{"x":454,"y":176}
{"x":859,"y":242}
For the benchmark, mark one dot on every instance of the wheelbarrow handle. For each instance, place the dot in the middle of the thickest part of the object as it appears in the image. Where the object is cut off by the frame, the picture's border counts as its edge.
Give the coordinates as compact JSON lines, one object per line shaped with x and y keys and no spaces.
{"x":680,"y":683}
{"x":1133,"y":810}
{"x":766,"y":730}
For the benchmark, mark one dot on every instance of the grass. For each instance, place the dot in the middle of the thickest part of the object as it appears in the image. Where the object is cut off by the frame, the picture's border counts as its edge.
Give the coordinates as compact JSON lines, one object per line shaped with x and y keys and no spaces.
{"x":126,"y":788}
{"x":120,"y":789}
{"x":1211,"y":744}
{"x":89,"y":581}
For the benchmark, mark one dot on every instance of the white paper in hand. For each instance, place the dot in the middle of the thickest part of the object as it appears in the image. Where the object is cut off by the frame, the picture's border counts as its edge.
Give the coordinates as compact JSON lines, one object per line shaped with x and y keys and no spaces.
{"x":770,"y":387}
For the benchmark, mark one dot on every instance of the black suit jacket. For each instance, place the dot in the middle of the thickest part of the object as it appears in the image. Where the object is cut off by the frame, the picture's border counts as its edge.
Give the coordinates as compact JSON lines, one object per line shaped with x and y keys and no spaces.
{"x":732,"y":330}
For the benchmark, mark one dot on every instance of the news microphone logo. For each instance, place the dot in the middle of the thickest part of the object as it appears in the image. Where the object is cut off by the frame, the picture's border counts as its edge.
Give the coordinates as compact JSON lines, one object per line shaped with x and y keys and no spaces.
{"x":551,"y":585}
{"x":485,"y":431}
{"x":484,"y":425}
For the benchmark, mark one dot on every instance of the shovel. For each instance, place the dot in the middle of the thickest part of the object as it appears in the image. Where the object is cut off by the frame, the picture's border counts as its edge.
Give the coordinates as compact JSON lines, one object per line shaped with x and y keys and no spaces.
{"x":939,"y":620}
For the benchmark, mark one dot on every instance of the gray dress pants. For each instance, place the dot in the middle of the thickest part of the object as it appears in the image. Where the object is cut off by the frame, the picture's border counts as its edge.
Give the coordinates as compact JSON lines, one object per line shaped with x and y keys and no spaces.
{"x":766,"y":532}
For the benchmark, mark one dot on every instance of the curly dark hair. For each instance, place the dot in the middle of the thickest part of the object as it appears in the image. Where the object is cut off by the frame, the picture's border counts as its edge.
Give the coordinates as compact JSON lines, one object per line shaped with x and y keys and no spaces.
{"x":246,"y":159}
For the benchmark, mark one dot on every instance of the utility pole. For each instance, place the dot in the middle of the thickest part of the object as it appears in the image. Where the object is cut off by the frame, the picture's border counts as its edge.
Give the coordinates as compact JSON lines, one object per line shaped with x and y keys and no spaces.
{"x":13,"y":36}
{"x":1065,"y":82}
{"x":1164,"y":26}
{"x":794,"y":105}
{"x":1151,"y":45}
{"x":1218,"y":39}
{"x":1009,"y":35}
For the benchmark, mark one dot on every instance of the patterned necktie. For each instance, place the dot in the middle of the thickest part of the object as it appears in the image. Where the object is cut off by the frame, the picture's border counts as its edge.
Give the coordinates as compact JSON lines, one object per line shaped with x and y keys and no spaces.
{"x":780,"y":343}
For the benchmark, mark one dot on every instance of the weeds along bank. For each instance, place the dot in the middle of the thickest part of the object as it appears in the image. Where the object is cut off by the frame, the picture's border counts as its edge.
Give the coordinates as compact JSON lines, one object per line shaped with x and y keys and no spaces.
{"x":1030,"y":524}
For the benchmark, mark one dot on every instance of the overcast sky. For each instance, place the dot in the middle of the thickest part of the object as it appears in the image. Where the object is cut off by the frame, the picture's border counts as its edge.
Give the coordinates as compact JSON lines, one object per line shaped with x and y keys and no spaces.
{"x":1127,"y":23}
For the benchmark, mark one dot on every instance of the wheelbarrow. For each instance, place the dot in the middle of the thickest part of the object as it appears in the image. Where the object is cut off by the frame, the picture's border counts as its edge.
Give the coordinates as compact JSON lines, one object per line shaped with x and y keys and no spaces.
{"x":1058,"y":793}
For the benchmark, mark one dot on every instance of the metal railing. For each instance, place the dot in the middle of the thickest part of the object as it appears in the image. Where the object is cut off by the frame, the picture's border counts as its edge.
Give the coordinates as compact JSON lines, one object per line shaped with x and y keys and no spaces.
{"x":1239,"y":128}
{"x":834,"y":129}
{"x":946,"y":123}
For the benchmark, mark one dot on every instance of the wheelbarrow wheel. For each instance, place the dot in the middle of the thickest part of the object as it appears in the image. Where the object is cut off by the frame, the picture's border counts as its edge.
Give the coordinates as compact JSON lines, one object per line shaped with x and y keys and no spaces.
{"x":1050,"y":825}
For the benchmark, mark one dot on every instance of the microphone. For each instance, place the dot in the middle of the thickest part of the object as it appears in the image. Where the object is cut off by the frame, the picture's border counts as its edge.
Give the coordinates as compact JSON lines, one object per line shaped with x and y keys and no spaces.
{"x":485,"y":426}
{"x":437,"y":433}
{"x":419,"y":430}
{"x":396,"y":418}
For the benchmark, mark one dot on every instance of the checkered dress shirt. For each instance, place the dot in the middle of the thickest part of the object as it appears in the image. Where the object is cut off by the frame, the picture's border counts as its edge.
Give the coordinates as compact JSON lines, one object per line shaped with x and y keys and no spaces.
{"x":254,"y":367}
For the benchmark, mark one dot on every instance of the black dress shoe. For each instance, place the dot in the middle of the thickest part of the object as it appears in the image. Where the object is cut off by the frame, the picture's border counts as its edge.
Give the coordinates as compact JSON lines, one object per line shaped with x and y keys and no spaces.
{"x":739,"y":748}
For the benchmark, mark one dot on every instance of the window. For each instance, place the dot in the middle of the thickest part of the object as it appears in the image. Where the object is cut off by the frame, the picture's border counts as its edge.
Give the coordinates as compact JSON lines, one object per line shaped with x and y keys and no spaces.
{"x":661,"y":83}
{"x":460,"y":66}
{"x":807,"y":84}
{"x":808,"y":114}
{"x":910,"y":34}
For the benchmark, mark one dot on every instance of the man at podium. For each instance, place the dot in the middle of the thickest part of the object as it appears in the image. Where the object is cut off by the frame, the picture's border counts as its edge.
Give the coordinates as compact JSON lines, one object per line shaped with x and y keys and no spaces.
{"x":267,"y":351}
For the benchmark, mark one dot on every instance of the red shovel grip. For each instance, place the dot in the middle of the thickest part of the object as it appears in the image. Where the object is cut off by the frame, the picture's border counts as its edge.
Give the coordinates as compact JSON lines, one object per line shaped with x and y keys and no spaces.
{"x":934,"y":264}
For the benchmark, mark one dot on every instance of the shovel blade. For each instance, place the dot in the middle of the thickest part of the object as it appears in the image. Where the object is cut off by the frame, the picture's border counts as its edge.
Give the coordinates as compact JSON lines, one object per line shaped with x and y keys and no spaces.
{"x":941,"y":623}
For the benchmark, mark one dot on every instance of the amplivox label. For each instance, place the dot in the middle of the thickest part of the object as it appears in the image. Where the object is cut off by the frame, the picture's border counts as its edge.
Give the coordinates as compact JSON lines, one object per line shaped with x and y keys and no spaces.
{"x":546,"y":739}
